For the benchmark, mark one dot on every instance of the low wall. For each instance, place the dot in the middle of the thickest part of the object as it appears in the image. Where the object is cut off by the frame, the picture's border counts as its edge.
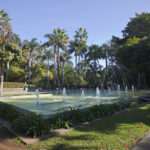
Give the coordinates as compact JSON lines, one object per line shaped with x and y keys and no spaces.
{"x":13,"y":90}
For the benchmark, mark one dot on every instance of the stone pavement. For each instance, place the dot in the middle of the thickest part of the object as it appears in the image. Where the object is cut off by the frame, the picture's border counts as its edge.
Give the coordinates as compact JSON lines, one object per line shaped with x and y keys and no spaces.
{"x":143,"y":144}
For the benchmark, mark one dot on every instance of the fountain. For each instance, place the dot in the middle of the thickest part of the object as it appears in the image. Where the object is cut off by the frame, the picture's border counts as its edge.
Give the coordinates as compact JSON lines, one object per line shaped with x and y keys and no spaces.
{"x":64,"y":94}
{"x":109,"y":92}
{"x":118,"y":89}
{"x":126,"y":89}
{"x":133,"y":89}
{"x":37,"y":97}
{"x":97,"y":92}
{"x":82,"y":95}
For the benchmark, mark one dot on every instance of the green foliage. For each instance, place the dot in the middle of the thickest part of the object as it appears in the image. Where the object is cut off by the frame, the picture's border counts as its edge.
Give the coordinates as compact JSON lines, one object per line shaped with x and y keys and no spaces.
{"x":34,"y":124}
{"x":136,"y":51}
{"x":38,"y":74}
{"x":118,"y":132}
{"x":31,"y":124}
{"x":13,"y":85}
{"x":138,"y":26}
{"x":16,"y":74}
{"x":7,"y":112}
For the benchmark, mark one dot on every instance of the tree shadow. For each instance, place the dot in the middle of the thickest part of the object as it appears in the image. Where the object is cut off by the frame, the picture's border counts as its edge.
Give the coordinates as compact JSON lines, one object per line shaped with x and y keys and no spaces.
{"x":68,"y":147}
{"x":109,"y":124}
{"x":8,"y":141}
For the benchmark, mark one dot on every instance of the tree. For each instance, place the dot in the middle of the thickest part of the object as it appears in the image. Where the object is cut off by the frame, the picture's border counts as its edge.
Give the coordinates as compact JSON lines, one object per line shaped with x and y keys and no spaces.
{"x":64,"y":58}
{"x":135,"y":54}
{"x":94,"y":55}
{"x":78,"y":46}
{"x":139,"y":26}
{"x":12,"y":51}
{"x":30,"y":47}
{"x":74,"y":48}
{"x":62,"y":40}
{"x":5,"y":30}
{"x":105,"y":48}
{"x":48,"y":55}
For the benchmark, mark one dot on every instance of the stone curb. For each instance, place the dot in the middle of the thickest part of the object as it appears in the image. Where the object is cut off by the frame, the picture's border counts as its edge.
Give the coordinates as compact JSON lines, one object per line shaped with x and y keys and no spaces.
{"x":143,"y":144}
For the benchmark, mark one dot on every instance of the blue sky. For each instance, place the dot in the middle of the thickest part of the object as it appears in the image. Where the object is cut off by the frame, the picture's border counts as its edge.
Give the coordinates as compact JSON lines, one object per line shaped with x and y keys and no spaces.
{"x":101,"y":18}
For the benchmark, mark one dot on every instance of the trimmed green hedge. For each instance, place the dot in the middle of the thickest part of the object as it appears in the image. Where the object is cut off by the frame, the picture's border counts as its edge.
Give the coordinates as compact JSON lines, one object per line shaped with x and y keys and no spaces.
{"x":13,"y":85}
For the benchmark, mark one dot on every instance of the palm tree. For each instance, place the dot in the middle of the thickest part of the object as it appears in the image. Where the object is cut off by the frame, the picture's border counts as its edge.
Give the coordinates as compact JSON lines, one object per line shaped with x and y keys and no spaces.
{"x":52,"y":42}
{"x":12,"y":49}
{"x":61,"y":41}
{"x":94,"y":55}
{"x":58,"y":39}
{"x":105,"y":49}
{"x":81,"y":40}
{"x":64,"y":58}
{"x":30,"y":46}
{"x":74,"y":48}
{"x":5,"y":30}
{"x":48,"y":55}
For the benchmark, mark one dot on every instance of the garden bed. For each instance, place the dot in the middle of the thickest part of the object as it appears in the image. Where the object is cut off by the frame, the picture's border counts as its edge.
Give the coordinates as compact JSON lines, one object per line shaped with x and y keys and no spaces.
{"x":40,"y":127}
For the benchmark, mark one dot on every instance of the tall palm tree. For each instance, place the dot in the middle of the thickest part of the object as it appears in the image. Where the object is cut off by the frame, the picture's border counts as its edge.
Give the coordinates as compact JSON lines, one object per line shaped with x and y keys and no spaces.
{"x":64,"y":58}
{"x":74,"y":48}
{"x":30,"y":46}
{"x":61,"y":41}
{"x":81,"y":37}
{"x":52,"y":41}
{"x":105,"y":49}
{"x":5,"y":30}
{"x":48,"y":55}
{"x":13,"y":50}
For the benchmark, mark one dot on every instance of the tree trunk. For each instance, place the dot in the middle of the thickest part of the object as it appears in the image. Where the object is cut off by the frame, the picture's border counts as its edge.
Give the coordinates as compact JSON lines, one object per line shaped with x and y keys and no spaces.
{"x":58,"y":66}
{"x":63,"y":75}
{"x":55,"y":57}
{"x":106,"y":60}
{"x":7,"y":70}
{"x":26,"y":70}
{"x":48,"y":84}
{"x":29,"y":70}
{"x":138,"y":81}
{"x":1,"y":80}
{"x":1,"y":73}
{"x":76,"y":69}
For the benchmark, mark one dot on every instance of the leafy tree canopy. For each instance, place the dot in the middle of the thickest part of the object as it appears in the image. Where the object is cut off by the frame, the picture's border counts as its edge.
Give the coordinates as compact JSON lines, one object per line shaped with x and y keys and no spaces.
{"x":138,"y":26}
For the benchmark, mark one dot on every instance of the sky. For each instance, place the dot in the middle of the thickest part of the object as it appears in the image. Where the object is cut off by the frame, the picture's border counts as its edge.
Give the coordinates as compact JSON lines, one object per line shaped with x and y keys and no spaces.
{"x":101,"y":18}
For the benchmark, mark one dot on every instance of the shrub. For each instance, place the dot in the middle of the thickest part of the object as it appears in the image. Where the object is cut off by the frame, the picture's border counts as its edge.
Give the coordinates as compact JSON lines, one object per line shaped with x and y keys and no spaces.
{"x":13,"y":85}
{"x":7,"y":112}
{"x":57,"y":122}
{"x":133,"y":104}
{"x":31,"y":124}
{"x":16,"y":74}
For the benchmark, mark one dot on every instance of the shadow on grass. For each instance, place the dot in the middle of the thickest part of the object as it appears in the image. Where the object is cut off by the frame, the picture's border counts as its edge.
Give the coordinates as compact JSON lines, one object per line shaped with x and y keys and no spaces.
{"x":109,"y":124}
{"x":9,"y":142}
{"x":68,"y":147}
{"x":4,"y":134}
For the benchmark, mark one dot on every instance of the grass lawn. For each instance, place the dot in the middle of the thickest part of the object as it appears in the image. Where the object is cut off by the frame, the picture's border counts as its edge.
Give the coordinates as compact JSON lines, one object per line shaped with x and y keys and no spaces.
{"x":119,"y":132}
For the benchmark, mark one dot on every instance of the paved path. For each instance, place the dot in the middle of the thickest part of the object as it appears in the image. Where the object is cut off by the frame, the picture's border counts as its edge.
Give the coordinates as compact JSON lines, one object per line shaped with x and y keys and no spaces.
{"x":143,"y":144}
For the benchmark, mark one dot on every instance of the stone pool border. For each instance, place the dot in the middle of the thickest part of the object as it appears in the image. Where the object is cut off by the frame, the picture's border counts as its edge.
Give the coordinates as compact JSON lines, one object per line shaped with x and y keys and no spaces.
{"x":29,"y":140}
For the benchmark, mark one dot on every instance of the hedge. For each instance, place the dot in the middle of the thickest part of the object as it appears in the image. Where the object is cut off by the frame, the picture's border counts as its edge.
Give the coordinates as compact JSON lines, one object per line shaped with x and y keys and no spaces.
{"x":13,"y":85}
